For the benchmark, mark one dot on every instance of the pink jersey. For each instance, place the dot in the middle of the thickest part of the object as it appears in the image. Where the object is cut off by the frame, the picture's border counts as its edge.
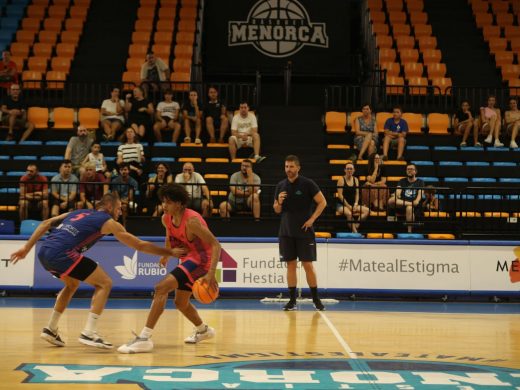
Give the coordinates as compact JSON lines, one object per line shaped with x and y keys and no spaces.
{"x":198,"y":251}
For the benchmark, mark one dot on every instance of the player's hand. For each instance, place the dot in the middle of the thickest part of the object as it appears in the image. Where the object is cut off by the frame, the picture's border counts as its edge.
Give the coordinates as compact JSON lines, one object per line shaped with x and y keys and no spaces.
{"x":281,"y":197}
{"x":163,"y":262}
{"x":179,"y":251}
{"x":210,"y":280}
{"x":308,"y":224}
{"x":19,"y":255}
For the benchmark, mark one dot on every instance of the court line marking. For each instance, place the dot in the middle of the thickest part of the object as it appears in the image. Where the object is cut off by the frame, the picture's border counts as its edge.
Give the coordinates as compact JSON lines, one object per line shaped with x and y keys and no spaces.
{"x":340,"y":339}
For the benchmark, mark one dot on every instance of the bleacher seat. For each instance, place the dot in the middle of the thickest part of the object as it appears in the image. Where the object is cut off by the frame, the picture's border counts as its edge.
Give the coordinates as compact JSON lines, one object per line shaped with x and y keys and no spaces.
{"x":6,"y":227}
{"x":348,"y":235}
{"x":28,"y":226}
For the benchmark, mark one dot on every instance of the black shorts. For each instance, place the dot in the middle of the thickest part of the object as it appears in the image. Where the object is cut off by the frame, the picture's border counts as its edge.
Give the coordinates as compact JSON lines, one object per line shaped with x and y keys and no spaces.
{"x":187,"y":273}
{"x":303,"y":249}
{"x":70,"y":264}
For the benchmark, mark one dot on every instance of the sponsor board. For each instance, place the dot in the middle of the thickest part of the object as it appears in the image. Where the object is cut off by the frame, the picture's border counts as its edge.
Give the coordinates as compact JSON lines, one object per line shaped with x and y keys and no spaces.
{"x":285,"y":374}
{"x":19,"y":274}
{"x":491,"y":267}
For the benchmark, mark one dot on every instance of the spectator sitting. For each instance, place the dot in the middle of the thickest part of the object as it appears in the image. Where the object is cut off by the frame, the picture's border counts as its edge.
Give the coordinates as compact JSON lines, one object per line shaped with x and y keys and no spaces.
{"x":139,"y":110}
{"x":244,"y":192}
{"x":92,"y":187}
{"x":64,"y":189}
{"x":489,"y":122}
{"x":192,"y":114}
{"x":463,"y":123}
{"x":408,"y":195}
{"x":375,"y":193}
{"x":131,"y":152}
{"x":112,"y":115}
{"x":162,"y":176}
{"x":154,"y":72}
{"x":396,"y":129}
{"x":216,"y":116}
{"x":244,"y":132}
{"x":14,"y":114}
{"x":512,"y":119}
{"x":167,"y":117}
{"x":365,"y":129}
{"x":430,"y":202}
{"x":77,"y":149}
{"x":198,"y":191}
{"x":348,"y":197}
{"x":8,"y":71}
{"x":126,"y":187}
{"x":98,"y":159}
{"x":34,"y":193}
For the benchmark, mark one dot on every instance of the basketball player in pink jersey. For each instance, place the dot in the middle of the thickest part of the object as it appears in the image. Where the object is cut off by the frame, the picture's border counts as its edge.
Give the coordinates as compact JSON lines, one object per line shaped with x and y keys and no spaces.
{"x":185,"y":229}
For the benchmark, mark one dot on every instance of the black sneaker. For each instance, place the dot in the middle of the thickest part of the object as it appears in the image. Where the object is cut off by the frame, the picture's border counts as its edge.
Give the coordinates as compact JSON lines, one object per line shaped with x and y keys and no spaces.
{"x":52,"y":337}
{"x":94,"y":341}
{"x":318,"y":305}
{"x":290,"y":306}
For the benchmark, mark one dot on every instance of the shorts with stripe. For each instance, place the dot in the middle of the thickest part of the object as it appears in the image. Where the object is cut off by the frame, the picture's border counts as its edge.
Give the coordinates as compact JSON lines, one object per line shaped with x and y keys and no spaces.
{"x":187,"y":273}
{"x":68,"y":263}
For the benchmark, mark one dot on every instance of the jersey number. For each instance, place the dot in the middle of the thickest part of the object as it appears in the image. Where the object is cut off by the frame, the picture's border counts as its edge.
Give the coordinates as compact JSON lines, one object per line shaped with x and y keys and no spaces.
{"x":79,"y":216}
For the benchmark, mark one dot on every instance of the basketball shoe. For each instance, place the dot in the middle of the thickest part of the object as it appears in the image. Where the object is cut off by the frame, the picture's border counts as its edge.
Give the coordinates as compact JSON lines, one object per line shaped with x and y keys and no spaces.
{"x":52,"y":337}
{"x":318,"y":305}
{"x":197,"y":336}
{"x":137,"y":345}
{"x":94,"y":341}
{"x":290,"y":306}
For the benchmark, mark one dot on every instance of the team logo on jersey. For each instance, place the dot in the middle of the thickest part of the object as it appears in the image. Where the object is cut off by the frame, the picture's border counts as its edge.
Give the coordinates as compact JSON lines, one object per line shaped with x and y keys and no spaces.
{"x":278,"y":28}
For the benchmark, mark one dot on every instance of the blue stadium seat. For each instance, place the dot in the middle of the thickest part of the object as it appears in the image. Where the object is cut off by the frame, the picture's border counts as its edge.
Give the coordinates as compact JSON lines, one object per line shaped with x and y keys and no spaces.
{"x":7,"y":143}
{"x":417,"y":147}
{"x":4,"y":157}
{"x":461,"y":196}
{"x":51,"y":158}
{"x":9,"y":190}
{"x":26,"y":158}
{"x":110,"y":158}
{"x":16,"y":173}
{"x":410,"y":236}
{"x":504,"y":164}
{"x":490,"y":197}
{"x":9,"y":22}
{"x":348,"y":235}
{"x":498,"y":149}
{"x":483,"y":180}
{"x":28,"y":226}
{"x":164,"y":144}
{"x":110,"y":143}
{"x":456,"y":179}
{"x":15,"y":10}
{"x":473,"y":148}
{"x":451,"y":148}
{"x":477,"y":164}
{"x":56,"y":143}
{"x":513,"y":197}
{"x":48,"y":174}
{"x":450,"y":163}
{"x":162,"y":159}
{"x":31,"y":143}
{"x":509,"y":180}
{"x":6,"y":226}
{"x":423,"y":163}
{"x":430,"y":179}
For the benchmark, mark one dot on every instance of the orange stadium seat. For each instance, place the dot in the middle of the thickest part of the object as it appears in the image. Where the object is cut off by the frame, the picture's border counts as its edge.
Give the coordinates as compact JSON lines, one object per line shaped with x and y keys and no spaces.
{"x":38,"y":64}
{"x":427,"y":43}
{"x":63,"y":118}
{"x":377,"y":17}
{"x":161,"y":50}
{"x":164,"y":25}
{"x":57,"y":11}
{"x":36,"y":11}
{"x":51,"y":24}
{"x":512,"y":31}
{"x":395,"y":85}
{"x":65,"y":50}
{"x":48,"y":37}
{"x":163,"y":38}
{"x":141,"y":37}
{"x":144,"y":25}
{"x":510,"y":72}
{"x":39,"y":116}
{"x":31,"y":79}
{"x":514,"y":87}
{"x":181,"y":65}
{"x":186,"y":38}
{"x":413,"y":69}
{"x":387,"y":55}
{"x":186,"y":25}
{"x":89,"y":117}
{"x":78,"y":12}
{"x":436,"y":70}
{"x":180,"y":81}
{"x":414,"y":5}
{"x":491,"y":32}
{"x":375,"y":5}
{"x":480,"y":6}
{"x":418,"y":85}
{"x":497,"y":44}
{"x":422,"y":30}
{"x":167,"y":14}
{"x":415,"y":122}
{"x":60,"y":64}
{"x":31,"y":24}
{"x":383,"y":41}
{"x":394,"y":5}
{"x":392,"y":68}
{"x":42,"y":49}
{"x":55,"y":79}
{"x":409,"y":55}
{"x":71,"y":37}
{"x":504,"y":58}
{"x":380,"y":29}
{"x":438,"y":123}
{"x":504,"y":19}
{"x":146,"y":14}
{"x":483,"y":19}
{"x":20,"y":49}
{"x":335,"y":122}
{"x":19,"y":61}
{"x":23,"y":36}
{"x":134,"y":64}
{"x":381,"y":118}
{"x":131,"y":79}
{"x":188,"y":13}
{"x":183,"y":51}
{"x":404,"y":42}
{"x":397,"y":17}
{"x":431,"y":56}
{"x":515,"y":45}
{"x":444,"y":84}
{"x":418,"y":17}
{"x":137,"y":50}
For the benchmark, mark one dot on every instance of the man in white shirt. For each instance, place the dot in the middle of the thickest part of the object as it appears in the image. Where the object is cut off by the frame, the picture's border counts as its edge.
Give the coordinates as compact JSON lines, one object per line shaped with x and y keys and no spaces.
{"x":153,"y":72}
{"x":197,"y":190}
{"x":244,"y":133}
{"x":112,"y":114}
{"x":167,"y":117}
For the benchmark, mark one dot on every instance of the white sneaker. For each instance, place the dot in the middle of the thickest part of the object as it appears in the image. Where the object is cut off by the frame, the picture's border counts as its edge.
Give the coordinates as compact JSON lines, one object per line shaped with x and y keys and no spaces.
{"x":513,"y":145}
{"x":137,"y":345}
{"x":52,"y":337}
{"x":94,"y":341}
{"x":498,"y":144}
{"x":463,"y":144}
{"x":489,"y":139}
{"x":199,"y":336}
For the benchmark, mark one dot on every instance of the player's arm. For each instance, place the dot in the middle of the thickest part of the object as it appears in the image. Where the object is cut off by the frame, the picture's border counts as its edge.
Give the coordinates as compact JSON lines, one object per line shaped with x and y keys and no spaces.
{"x":37,"y":234}
{"x":163,"y":261}
{"x":321,"y":203}
{"x":202,"y":232}
{"x":120,"y":233}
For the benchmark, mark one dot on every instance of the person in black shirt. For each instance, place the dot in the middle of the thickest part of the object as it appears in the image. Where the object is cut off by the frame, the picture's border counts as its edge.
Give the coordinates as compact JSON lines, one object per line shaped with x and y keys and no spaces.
{"x":463,"y":123}
{"x":139,"y":110}
{"x":14,"y":114}
{"x":408,"y":195}
{"x":294,"y":200}
{"x":192,"y":115}
{"x":216,"y":116}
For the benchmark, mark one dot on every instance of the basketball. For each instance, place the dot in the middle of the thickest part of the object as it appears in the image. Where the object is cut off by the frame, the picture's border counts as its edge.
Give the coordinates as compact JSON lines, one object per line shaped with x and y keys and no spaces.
{"x":203,"y":292}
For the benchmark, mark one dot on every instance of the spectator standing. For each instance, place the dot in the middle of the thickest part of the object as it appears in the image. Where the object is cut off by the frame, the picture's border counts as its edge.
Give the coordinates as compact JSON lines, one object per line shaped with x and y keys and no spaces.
{"x":489,"y":122}
{"x":192,"y":116}
{"x":512,"y":119}
{"x":244,"y":192}
{"x":92,"y":187}
{"x":463,"y":122}
{"x":126,"y":187}
{"x":98,"y":159}
{"x":375,"y":193}
{"x":396,"y":129}
{"x":348,"y":198}
{"x":216,"y":116}
{"x":365,"y":130}
{"x":14,"y":113}
{"x":244,"y":132}
{"x":154,"y":72}
{"x":64,"y":189}
{"x":112,"y":115}
{"x":197,"y":189}
{"x":77,"y":149}
{"x":34,"y":193}
{"x":8,"y":71}
{"x":140,"y":111}
{"x":167,"y":117}
{"x":161,"y":177}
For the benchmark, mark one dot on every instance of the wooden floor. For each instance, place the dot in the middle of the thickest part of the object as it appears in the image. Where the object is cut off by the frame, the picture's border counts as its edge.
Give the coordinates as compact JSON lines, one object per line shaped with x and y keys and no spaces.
{"x":252,"y":335}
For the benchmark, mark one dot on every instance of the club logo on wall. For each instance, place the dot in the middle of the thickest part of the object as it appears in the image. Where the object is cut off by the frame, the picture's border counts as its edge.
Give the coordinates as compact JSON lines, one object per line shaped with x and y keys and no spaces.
{"x":278,"y":28}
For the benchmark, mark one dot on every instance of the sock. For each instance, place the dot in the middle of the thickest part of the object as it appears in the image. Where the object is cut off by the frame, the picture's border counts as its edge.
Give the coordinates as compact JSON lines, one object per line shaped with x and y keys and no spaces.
{"x":292,"y":294}
{"x":53,"y":321}
{"x":146,"y":333}
{"x":90,"y":326}
{"x":314,"y":293}
{"x":201,"y":328}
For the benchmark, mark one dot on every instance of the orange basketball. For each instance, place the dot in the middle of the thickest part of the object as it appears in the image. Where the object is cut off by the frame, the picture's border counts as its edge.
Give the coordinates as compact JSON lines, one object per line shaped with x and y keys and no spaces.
{"x":203,"y":292}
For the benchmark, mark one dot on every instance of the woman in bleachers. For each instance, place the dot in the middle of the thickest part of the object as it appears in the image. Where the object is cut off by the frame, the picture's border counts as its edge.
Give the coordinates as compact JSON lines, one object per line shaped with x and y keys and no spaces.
{"x":512,"y":121}
{"x":463,"y":122}
{"x":162,"y":176}
{"x":375,"y":193}
{"x":139,"y":110}
{"x":490,"y":122}
{"x":365,"y":129}
{"x":348,"y":197}
{"x":131,"y":152}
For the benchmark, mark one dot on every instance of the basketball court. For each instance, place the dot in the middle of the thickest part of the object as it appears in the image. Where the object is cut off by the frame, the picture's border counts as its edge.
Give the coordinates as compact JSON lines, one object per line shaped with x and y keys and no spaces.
{"x":352,"y":345}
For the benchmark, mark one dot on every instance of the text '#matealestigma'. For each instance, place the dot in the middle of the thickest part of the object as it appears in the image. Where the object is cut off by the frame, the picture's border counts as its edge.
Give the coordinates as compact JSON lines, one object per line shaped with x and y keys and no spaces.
{"x":398,"y":266}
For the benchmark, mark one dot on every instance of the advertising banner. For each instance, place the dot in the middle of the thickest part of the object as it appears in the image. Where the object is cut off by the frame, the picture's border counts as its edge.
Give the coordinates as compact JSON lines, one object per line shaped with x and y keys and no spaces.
{"x":491,"y":267}
{"x":398,"y":267}
{"x":19,"y":274}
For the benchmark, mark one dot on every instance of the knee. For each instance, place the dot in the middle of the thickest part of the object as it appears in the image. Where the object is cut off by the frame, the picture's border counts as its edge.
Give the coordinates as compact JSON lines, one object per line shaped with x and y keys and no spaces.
{"x":161,"y":289}
{"x":233,"y":141}
{"x":105,"y":283}
{"x":181,"y":304}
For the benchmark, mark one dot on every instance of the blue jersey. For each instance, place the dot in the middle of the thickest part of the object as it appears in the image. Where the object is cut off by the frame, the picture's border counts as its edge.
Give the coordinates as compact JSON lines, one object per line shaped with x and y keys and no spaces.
{"x":77,"y":232}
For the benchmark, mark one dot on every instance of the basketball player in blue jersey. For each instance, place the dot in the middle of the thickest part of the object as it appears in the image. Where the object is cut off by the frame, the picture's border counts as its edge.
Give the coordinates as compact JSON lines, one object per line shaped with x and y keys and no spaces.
{"x":61,"y":255}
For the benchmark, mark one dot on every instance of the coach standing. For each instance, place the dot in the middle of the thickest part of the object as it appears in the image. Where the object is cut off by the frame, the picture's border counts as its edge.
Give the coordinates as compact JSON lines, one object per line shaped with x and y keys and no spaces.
{"x":294,"y":199}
